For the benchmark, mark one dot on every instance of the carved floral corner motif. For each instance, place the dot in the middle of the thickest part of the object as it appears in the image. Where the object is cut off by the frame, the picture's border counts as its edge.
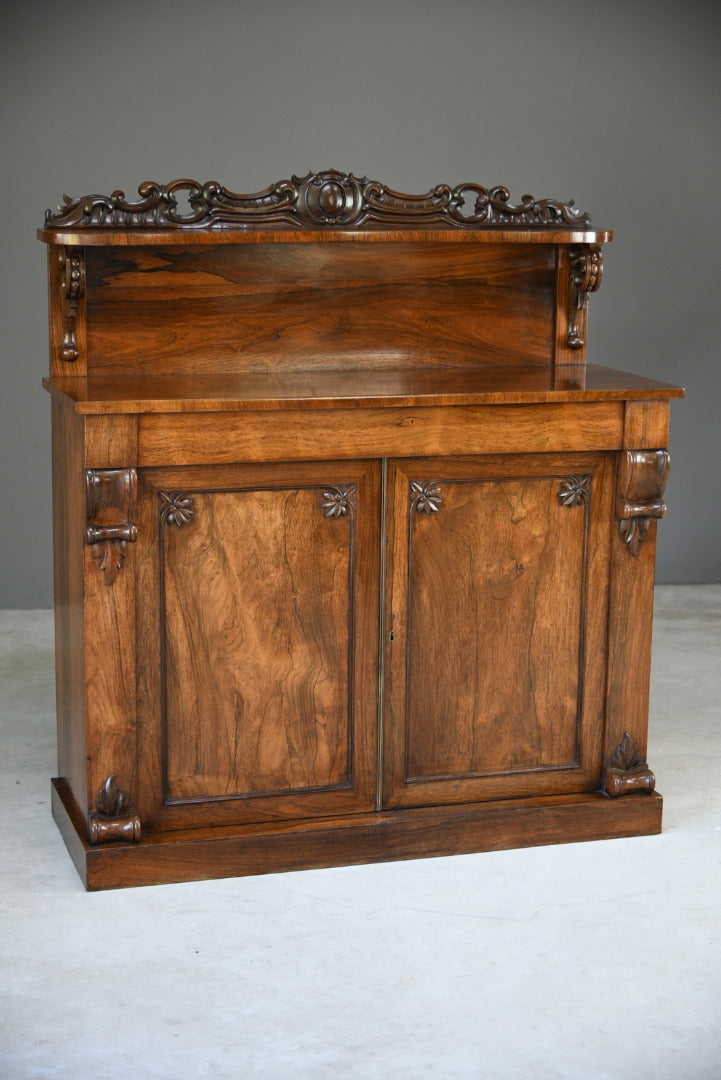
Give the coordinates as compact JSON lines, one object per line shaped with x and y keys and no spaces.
{"x":338,"y":501}
{"x":575,"y":490}
{"x":71,"y":265}
{"x":425,"y":498}
{"x":110,"y":498}
{"x":176,"y":508}
{"x":328,"y":198}
{"x":586,"y":273}
{"x":642,"y":476}
{"x":627,"y":772}
{"x":114,"y":818}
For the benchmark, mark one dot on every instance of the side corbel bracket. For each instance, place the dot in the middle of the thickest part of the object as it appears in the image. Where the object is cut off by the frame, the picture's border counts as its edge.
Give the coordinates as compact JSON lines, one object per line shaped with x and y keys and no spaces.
{"x":110,"y":496}
{"x":627,"y":772}
{"x":71,"y":266}
{"x":586,"y":272}
{"x":642,"y":476}
{"x":113,"y":817}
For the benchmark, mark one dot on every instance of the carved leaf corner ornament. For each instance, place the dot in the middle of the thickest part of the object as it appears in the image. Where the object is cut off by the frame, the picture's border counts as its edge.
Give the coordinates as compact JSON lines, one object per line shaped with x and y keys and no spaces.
{"x":575,"y":490}
{"x":338,"y":501}
{"x":425,"y":498}
{"x":328,"y":198}
{"x":176,"y":508}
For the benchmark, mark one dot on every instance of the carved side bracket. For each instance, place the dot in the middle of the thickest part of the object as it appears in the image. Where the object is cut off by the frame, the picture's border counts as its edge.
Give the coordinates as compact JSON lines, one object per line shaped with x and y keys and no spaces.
{"x":627,"y":772}
{"x":586,"y":272}
{"x":425,"y":498}
{"x":328,"y":198}
{"x":338,"y":501}
{"x":642,"y":476}
{"x":113,"y":817}
{"x":110,"y":495}
{"x":72,"y":283}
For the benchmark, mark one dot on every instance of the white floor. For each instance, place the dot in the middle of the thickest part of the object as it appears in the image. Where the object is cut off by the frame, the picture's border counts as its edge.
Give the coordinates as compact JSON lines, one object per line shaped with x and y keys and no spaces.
{"x":598,"y":961}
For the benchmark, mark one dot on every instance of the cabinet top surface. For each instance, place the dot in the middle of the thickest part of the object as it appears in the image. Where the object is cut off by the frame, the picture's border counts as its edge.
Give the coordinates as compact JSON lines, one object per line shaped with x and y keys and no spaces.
{"x":356,"y":388}
{"x":323,"y":206}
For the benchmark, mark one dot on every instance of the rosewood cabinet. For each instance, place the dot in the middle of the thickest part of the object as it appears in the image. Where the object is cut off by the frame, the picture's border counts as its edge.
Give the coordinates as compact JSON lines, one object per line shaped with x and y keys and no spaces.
{"x":354,"y":552}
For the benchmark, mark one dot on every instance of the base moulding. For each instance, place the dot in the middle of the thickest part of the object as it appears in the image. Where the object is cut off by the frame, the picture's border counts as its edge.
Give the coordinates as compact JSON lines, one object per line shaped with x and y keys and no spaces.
{"x":385,"y":836}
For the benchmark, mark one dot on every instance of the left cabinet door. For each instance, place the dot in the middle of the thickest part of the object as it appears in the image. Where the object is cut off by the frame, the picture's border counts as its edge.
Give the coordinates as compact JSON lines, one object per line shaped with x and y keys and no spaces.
{"x":257,"y":640}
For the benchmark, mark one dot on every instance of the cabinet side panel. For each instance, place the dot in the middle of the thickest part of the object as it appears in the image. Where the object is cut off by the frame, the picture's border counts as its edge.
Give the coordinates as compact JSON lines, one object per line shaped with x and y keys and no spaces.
{"x":68,"y":525}
{"x":308,"y":306}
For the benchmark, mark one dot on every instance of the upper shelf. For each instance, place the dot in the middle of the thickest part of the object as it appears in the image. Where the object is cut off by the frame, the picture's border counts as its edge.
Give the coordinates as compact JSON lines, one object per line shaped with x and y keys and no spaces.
{"x":321,"y":206}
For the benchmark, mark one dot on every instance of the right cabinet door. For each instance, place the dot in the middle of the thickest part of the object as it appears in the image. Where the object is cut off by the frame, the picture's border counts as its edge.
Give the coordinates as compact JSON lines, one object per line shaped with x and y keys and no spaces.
{"x":495,"y":629}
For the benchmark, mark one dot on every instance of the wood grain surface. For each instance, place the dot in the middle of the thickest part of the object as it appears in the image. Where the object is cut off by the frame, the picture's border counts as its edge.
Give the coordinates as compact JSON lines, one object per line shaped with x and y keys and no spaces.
{"x":362,"y":387}
{"x":496,"y":594}
{"x":261,"y":629}
{"x":308,"y":306}
{"x":257,"y":591}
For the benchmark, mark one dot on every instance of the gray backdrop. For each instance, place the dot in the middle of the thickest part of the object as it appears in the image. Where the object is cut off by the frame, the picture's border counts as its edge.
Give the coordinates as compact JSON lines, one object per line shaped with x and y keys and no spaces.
{"x":615,"y":104}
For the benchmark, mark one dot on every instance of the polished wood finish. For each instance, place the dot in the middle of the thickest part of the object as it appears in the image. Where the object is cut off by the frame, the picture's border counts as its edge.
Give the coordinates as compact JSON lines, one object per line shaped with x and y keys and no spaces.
{"x":385,"y":836}
{"x":297,"y":434}
{"x":330,"y":198}
{"x":483,"y":701}
{"x":354,"y":553}
{"x":268,"y":307}
{"x":272,"y":583}
{"x":360,"y":388}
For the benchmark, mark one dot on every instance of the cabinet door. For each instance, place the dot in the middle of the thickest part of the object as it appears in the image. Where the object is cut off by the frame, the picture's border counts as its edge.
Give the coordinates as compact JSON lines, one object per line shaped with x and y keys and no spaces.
{"x":495,"y":626}
{"x":257,"y":642}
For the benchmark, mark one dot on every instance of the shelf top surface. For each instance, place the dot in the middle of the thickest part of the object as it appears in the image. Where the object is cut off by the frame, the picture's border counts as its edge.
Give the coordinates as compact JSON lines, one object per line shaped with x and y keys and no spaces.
{"x":353,"y":388}
{"x":88,"y":237}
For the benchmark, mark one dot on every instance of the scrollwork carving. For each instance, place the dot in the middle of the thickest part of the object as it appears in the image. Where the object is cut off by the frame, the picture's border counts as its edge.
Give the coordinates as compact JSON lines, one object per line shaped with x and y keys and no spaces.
{"x":110,"y":497}
{"x":642,"y":476}
{"x":113,"y":817}
{"x":329,"y":198}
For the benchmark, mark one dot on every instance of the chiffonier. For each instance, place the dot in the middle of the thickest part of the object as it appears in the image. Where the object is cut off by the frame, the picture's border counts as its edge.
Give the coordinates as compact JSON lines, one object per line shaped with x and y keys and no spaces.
{"x":354,"y":552}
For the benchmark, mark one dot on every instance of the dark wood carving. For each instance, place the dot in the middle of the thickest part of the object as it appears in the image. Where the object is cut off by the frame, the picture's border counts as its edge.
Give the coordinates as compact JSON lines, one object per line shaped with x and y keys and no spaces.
{"x":338,"y":501}
{"x":113,"y":817}
{"x":642,"y":476}
{"x":328,"y":198}
{"x":425,"y":498}
{"x":586,"y":265}
{"x":627,"y":772}
{"x":110,"y":495}
{"x":71,"y":266}
{"x":575,"y":490}
{"x":176,"y":508}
